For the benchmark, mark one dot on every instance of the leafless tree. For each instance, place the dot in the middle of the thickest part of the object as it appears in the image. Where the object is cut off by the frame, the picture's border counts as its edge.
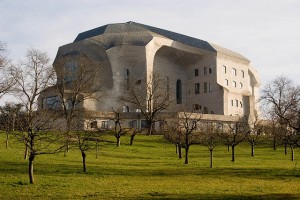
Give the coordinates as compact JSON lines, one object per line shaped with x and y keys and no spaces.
{"x":6,"y":80}
{"x":118,"y":131}
{"x":210,"y":136}
{"x":234,"y":133}
{"x":174,"y":134}
{"x":32,"y":76}
{"x":256,"y":131}
{"x":151,"y":97}
{"x":76,"y":84}
{"x":282,"y":97}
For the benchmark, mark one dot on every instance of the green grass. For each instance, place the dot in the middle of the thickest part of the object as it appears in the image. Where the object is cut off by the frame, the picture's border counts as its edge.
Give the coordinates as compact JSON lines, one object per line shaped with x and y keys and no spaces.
{"x":150,"y":169}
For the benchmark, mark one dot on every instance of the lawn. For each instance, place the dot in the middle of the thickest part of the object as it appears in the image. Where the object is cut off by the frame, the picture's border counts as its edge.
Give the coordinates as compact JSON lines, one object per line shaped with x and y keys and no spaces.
{"x":150,"y":169}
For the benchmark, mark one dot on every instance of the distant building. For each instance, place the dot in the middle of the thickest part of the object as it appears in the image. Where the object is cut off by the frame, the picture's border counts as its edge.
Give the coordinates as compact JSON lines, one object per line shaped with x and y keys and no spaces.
{"x":205,"y":76}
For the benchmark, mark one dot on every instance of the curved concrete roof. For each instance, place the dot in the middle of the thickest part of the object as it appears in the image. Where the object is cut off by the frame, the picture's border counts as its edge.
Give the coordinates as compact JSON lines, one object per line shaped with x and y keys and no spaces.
{"x":139,"y":34}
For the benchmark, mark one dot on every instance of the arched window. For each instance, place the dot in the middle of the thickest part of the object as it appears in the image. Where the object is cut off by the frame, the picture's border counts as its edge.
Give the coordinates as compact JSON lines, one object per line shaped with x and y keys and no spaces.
{"x":125,"y":109}
{"x":178,"y":92}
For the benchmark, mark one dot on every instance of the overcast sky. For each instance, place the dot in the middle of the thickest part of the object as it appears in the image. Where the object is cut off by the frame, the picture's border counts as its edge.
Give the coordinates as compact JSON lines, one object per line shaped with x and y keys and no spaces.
{"x":265,"y":31}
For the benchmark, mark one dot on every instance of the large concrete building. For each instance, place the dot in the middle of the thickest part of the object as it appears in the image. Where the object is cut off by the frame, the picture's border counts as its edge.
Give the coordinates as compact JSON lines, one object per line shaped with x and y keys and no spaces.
{"x":212,"y":79}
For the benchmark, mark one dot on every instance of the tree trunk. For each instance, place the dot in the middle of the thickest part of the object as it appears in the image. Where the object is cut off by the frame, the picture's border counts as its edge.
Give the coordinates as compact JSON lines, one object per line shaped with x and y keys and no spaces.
{"x":131,"y":139}
{"x":292,"y":149}
{"x":26,"y":152}
{"x":252,"y":149}
{"x":228,"y":147}
{"x":285,"y":149}
{"x":274,"y":144}
{"x":31,"y":158}
{"x":186,"y":155}
{"x":7,"y":138}
{"x":179,"y":152}
{"x":150,"y":128}
{"x":232,"y":153}
{"x":83,"y":160}
{"x":118,"y":141}
{"x":211,"y":158}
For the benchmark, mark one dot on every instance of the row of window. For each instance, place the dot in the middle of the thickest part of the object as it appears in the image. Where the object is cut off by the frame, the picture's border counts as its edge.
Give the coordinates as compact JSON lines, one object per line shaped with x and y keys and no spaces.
{"x":206,"y":87}
{"x":205,"y":71}
{"x":234,"y":84}
{"x":54,"y":102}
{"x":234,"y":71}
{"x":199,"y":107}
{"x":236,"y":103}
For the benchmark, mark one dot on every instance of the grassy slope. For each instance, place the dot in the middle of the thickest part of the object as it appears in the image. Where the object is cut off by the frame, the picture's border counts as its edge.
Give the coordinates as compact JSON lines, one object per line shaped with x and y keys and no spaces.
{"x":151,"y":170}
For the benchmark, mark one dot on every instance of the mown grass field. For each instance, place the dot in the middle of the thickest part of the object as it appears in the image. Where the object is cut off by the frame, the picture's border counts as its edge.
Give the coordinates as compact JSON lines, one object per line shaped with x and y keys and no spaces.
{"x":150,"y":169}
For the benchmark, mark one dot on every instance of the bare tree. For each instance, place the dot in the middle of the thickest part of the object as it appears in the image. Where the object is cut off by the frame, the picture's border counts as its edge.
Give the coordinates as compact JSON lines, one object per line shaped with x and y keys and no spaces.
{"x":76,"y":84}
{"x":234,"y":133}
{"x":256,"y":130}
{"x":118,"y":131}
{"x":174,"y":134}
{"x":210,"y":136}
{"x":32,"y":76}
{"x":151,"y":97}
{"x":6,"y":81}
{"x":282,"y":97}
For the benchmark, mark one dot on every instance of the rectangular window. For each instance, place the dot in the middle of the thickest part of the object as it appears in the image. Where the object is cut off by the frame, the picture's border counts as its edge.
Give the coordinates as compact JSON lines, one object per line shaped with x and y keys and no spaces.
{"x":197,"y":88}
{"x":126,"y":74}
{"x":205,"y":70}
{"x":70,"y":71}
{"x":94,"y":124}
{"x":233,"y":84}
{"x":237,"y":103}
{"x":196,"y":72}
{"x":205,"y":87}
{"x":241,"y":85}
{"x":225,"y":69}
{"x":209,"y":70}
{"x":226,"y":82}
{"x":205,"y":110}
{"x":52,"y":102}
{"x":104,"y":125}
{"x":233,"y":71}
{"x":231,"y":102}
{"x":209,"y":87}
{"x":243,"y":73}
{"x":133,"y":124}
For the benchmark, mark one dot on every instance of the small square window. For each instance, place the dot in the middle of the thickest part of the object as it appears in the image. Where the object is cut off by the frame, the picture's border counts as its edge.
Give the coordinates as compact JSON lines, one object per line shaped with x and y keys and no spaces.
{"x":94,"y":124}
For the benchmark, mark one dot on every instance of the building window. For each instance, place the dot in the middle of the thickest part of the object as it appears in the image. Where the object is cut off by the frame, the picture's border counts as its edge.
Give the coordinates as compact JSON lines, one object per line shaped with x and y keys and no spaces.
{"x":209,"y":70}
{"x":234,"y":84}
{"x":126,"y":74}
{"x":226,"y":82}
{"x":241,"y":104}
{"x":52,"y":102}
{"x":205,"y":70}
{"x":94,"y":124}
{"x":225,"y":69}
{"x":243,"y":74}
{"x":197,"y":107}
{"x":209,"y":87}
{"x":237,"y":103}
{"x":205,"y":87}
{"x":197,"y":88}
{"x":196,"y":72}
{"x":212,"y":112}
{"x":241,"y":85}
{"x":70,"y":71}
{"x":133,"y":124}
{"x":205,"y":110}
{"x":125,"y":109}
{"x":104,"y":125}
{"x":178,"y":92}
{"x":138,"y":82}
{"x":233,"y":71}
{"x":231,"y":102}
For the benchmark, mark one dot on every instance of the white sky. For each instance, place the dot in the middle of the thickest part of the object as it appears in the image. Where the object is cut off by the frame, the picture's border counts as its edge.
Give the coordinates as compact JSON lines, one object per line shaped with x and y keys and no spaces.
{"x":265,"y":31}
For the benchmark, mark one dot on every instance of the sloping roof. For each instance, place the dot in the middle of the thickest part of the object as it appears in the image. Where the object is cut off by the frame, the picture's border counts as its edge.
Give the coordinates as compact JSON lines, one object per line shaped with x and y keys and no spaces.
{"x":110,"y":36}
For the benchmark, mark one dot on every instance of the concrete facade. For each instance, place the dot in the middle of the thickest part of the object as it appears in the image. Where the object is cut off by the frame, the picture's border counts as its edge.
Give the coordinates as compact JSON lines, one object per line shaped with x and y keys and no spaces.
{"x":214,"y":80}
